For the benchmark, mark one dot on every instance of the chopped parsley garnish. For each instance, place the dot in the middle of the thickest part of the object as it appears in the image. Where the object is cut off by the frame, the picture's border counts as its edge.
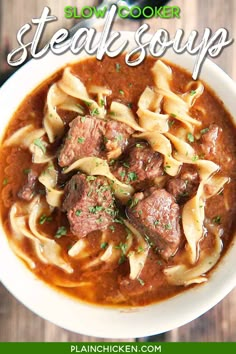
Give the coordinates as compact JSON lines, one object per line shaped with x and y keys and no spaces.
{"x":168,"y":227}
{"x":119,"y":221}
{"x":171,"y":122}
{"x":102,"y":102}
{"x":94,"y":112}
{"x":121,"y":92}
{"x":61,"y":231}
{"x":190,"y":137}
{"x":95,"y":209}
{"x":104,"y":245}
{"x":140,"y":249}
{"x":156,"y":222}
{"x":130,"y":105}
{"x":83,"y":119}
{"x":78,"y":212}
{"x":81,"y":140}
{"x":26,"y":171}
{"x":111,"y":162}
{"x":119,"y":137}
{"x":112,"y":113}
{"x":118,"y":67}
{"x":99,"y":220}
{"x":139,"y":145}
{"x":44,"y":218}
{"x":125,"y":164}
{"x":133,"y":202}
{"x":123,"y":248}
{"x":141,"y":282}
{"x":88,"y":104}
{"x":166,"y":167}
{"x":122,"y":174}
{"x":5,"y":181}
{"x":204,"y":131}
{"x":147,"y":239}
{"x":195,"y":158}
{"x":193,"y":92}
{"x":173,"y":115}
{"x":217,"y":219}
{"x":112,"y":228}
{"x":38,"y":142}
{"x":90,"y":178}
{"x":132,"y":176}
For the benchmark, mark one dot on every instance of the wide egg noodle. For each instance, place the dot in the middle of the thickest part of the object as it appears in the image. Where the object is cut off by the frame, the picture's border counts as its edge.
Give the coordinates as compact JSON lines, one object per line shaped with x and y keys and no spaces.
{"x":73,"y":86}
{"x":49,"y":179}
{"x":95,"y":166}
{"x":137,"y":258}
{"x":24,"y":136}
{"x":149,"y":114}
{"x":47,"y":250}
{"x":121,"y":113}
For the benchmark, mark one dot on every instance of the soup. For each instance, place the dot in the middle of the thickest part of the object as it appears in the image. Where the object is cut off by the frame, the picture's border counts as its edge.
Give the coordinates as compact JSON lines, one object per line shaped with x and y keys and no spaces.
{"x":118,"y":183}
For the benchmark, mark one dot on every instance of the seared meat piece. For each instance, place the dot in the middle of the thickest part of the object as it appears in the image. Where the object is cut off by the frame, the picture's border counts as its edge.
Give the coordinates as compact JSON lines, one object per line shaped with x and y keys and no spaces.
{"x":157,"y":216}
{"x":116,"y":138}
{"x":209,"y":141}
{"x":89,"y":204}
{"x":142,"y":164}
{"x":185,"y":185}
{"x":28,"y":190}
{"x":85,"y":138}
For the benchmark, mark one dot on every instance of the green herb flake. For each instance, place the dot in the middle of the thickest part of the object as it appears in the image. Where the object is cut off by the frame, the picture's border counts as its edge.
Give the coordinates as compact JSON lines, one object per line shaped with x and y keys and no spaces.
{"x":140,"y":249}
{"x":112,"y":113}
{"x":44,"y":218}
{"x":121,"y":92}
{"x":94,"y":112}
{"x":139,"y":145}
{"x":104,"y":245}
{"x":81,"y":140}
{"x":112,"y":228}
{"x":133,"y":202}
{"x":61,"y":231}
{"x":204,"y":131}
{"x":90,"y":178}
{"x":173,"y":115}
{"x":83,"y":119}
{"x":125,"y":164}
{"x":166,"y":167}
{"x":80,"y":106}
{"x":217,"y":219}
{"x":95,"y":209}
{"x":122,"y":174}
{"x":156,"y":222}
{"x":38,"y":142}
{"x":130,"y":105}
{"x":78,"y":212}
{"x":119,"y":221}
{"x":132,"y":176}
{"x":102,"y":103}
{"x":119,"y":137}
{"x":26,"y":171}
{"x":171,"y":123}
{"x":141,"y":282}
{"x":88,"y":104}
{"x":168,"y":227}
{"x":193,"y":92}
{"x":118,"y":67}
{"x":190,"y":137}
{"x":5,"y":181}
{"x":195,"y":158}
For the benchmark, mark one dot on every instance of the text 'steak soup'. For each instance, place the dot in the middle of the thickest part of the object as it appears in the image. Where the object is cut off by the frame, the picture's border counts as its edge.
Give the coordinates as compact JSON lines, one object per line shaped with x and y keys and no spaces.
{"x":118,"y":183}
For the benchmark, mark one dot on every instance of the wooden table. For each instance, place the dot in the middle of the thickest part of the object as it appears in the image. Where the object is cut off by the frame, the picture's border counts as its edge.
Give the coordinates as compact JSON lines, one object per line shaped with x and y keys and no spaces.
{"x":17,"y":323}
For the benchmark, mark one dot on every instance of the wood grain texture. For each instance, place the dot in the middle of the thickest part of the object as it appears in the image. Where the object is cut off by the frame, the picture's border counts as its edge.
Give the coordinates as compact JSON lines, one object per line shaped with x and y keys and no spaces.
{"x":19,"y":324}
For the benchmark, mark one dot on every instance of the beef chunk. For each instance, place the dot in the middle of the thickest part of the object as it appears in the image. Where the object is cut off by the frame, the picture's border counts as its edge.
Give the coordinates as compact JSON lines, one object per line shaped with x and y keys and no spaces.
{"x":116,"y":138}
{"x":185,"y":185}
{"x":89,"y":204}
{"x":85,"y":138}
{"x":140,"y":165}
{"x":157,"y":216}
{"x":209,"y":141}
{"x":28,"y":190}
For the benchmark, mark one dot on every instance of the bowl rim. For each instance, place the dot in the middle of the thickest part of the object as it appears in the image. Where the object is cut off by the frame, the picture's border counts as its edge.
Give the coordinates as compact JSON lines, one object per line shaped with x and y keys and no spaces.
{"x":84,"y":318}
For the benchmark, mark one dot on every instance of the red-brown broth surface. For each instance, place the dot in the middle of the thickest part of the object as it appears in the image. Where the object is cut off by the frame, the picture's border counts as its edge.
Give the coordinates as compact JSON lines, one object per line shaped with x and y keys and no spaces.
{"x":107,"y":282}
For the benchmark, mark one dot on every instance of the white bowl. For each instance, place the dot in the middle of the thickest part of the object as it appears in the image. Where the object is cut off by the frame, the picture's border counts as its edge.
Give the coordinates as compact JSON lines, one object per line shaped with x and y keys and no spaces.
{"x":90,"y":319}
